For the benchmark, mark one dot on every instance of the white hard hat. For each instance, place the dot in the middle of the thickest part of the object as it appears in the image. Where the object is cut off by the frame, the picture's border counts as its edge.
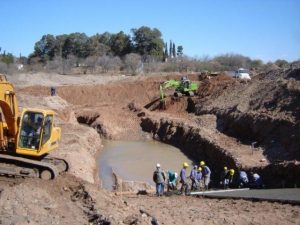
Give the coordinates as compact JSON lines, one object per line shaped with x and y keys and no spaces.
{"x":158,"y":165}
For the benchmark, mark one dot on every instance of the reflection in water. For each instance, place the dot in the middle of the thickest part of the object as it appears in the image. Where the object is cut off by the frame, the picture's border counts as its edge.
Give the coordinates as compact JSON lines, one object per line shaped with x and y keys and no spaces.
{"x":136,"y":161}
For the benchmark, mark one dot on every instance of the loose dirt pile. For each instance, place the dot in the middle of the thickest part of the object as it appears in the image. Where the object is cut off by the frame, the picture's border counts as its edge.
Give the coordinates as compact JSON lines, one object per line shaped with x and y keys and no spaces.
{"x":226,"y":117}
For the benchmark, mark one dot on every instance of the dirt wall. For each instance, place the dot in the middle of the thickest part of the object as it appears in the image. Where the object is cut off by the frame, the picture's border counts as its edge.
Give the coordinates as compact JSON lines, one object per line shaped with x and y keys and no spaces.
{"x":278,"y":137}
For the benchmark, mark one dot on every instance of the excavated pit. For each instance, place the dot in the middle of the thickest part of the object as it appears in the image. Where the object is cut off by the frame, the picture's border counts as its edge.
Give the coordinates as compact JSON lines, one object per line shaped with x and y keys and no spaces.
{"x":223,"y":124}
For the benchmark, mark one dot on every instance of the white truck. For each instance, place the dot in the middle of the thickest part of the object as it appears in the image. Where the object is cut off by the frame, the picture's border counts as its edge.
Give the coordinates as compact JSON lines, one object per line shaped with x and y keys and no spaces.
{"x":242,"y":74}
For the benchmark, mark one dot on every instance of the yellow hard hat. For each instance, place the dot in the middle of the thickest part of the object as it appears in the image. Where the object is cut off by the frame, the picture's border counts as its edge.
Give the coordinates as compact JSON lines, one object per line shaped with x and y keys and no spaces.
{"x":185,"y":165}
{"x":202,"y":163}
{"x":225,"y":168}
{"x":231,"y":171}
{"x":199,"y":169}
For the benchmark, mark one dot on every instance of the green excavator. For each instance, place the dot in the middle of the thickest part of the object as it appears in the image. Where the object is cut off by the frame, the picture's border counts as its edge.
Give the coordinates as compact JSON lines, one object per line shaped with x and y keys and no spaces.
{"x":182,"y":87}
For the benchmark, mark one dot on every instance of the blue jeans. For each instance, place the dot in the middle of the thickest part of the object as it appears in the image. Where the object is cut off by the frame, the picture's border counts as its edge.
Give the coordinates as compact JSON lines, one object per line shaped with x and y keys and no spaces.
{"x":160,"y":189}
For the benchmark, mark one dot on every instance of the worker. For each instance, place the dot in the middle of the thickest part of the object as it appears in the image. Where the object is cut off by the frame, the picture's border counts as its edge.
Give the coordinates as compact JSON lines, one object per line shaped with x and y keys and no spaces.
{"x":229,"y":178}
{"x":255,"y":181}
{"x":243,"y":179}
{"x":185,"y":82}
{"x":38,"y":125}
{"x":193,"y":175}
{"x":53,"y":91}
{"x":159,"y":179}
{"x":199,"y":177}
{"x":36,"y":131}
{"x":31,"y":130}
{"x":172,"y":180}
{"x":223,"y":176}
{"x":206,"y":174}
{"x":183,"y":179}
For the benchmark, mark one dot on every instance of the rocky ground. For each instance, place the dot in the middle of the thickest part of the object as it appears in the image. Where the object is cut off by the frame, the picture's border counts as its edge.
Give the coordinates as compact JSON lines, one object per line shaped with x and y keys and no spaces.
{"x":224,"y":119}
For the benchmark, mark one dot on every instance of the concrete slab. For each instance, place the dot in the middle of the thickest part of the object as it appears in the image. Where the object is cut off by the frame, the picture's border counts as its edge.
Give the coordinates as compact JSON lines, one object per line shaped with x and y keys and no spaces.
{"x":285,"y":195}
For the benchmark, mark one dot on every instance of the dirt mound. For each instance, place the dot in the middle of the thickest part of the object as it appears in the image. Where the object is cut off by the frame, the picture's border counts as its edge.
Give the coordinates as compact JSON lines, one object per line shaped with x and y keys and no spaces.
{"x":260,"y":111}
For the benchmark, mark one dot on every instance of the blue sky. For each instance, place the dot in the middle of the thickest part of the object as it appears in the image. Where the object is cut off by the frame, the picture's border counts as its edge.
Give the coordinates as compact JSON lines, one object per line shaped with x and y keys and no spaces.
{"x":265,"y":29}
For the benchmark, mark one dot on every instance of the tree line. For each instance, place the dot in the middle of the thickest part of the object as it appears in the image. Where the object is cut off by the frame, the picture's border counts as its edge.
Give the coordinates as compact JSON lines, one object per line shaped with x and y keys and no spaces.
{"x":143,"y":50}
{"x":144,"y":41}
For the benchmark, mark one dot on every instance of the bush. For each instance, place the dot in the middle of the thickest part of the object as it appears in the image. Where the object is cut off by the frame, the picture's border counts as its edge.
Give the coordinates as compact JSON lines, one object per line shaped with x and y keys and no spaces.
{"x":133,"y":63}
{"x":108,"y":63}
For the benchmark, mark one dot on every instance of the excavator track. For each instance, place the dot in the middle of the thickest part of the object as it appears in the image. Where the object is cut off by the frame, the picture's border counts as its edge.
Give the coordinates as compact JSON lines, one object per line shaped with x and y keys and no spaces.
{"x":46,"y":168}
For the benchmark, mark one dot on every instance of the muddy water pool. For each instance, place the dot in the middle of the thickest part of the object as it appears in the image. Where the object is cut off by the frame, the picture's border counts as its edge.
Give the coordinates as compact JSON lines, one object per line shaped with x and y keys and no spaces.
{"x":136,"y":161}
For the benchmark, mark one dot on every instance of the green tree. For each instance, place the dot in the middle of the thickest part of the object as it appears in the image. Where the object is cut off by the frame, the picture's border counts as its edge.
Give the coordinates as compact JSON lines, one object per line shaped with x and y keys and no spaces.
{"x":7,"y":58}
{"x":77,"y":44}
{"x":180,"y":51}
{"x":105,"y":38}
{"x":98,"y":48}
{"x":166,"y":55}
{"x":148,"y":41}
{"x":120,"y":44}
{"x":281,"y":63}
{"x":67,"y":47}
{"x":174,"y":50}
{"x":170,"y":50}
{"x":45,"y":48}
{"x":60,"y":40}
{"x":233,"y":61}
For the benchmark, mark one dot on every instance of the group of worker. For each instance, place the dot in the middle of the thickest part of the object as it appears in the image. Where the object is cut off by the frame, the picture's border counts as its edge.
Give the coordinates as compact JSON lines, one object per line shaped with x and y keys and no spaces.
{"x":199,"y":179}
{"x":229,"y":180}
{"x":199,"y":176}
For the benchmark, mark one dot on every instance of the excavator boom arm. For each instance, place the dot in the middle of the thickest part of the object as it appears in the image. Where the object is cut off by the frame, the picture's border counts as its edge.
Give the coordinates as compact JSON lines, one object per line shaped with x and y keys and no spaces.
{"x":9,"y":106}
{"x":165,"y":85}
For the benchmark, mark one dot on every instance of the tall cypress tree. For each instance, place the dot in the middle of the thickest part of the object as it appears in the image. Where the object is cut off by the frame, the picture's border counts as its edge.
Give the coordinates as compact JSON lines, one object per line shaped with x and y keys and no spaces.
{"x":174,"y":51}
{"x":166,"y":50}
{"x":170,"y":51}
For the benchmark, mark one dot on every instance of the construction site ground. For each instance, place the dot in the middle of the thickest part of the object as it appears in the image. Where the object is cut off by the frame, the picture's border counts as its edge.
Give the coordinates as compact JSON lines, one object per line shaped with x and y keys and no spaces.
{"x":249,"y":125}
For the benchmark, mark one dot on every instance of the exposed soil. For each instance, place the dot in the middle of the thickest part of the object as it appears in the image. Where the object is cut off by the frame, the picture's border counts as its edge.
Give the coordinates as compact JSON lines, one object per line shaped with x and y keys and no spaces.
{"x":219,"y":125}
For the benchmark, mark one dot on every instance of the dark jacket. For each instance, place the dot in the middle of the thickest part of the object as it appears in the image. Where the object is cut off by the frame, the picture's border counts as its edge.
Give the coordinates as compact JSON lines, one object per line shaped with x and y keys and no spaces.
{"x":159,"y":176}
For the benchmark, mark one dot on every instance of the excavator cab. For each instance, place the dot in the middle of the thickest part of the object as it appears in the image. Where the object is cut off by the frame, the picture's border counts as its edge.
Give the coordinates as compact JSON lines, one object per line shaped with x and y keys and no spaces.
{"x":30,"y":132}
{"x":185,"y":83}
{"x":37,"y":135}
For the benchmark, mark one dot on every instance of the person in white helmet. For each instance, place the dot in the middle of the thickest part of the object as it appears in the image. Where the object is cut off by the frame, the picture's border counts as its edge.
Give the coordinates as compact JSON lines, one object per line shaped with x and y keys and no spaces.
{"x":159,"y":179}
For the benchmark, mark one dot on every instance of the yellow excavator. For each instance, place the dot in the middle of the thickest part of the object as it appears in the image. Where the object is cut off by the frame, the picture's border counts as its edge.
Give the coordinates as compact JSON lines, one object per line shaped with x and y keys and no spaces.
{"x":26,"y":138}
